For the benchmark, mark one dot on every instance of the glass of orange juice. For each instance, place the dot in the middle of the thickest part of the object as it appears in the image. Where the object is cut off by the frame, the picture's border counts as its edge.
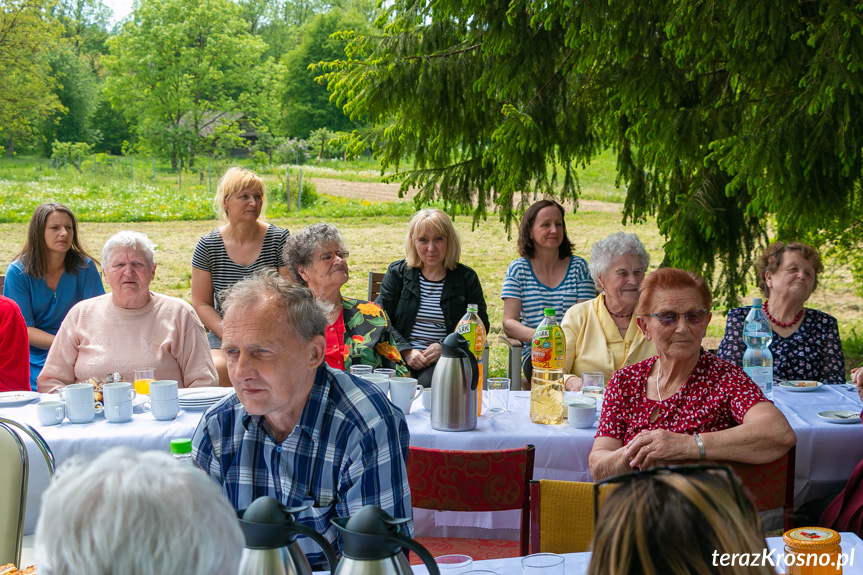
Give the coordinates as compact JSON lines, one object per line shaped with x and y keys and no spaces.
{"x":143,"y":377}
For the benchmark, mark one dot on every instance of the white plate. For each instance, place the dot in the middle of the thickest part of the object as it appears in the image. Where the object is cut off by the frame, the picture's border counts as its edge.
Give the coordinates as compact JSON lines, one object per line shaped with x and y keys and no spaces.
{"x":195,"y":394}
{"x":791,"y":385}
{"x":16,"y":398}
{"x":837,"y":416}
{"x":197,"y":407}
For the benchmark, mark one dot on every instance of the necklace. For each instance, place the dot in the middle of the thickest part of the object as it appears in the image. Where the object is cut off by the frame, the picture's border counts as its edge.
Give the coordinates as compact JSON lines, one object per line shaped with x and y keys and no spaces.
{"x":779,"y":323}
{"x":620,"y":315}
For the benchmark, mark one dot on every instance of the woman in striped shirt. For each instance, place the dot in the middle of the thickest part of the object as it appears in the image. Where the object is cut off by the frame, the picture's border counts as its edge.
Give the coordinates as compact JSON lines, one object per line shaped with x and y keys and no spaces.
{"x":242,"y":245}
{"x":546,"y":275}
{"x":427,"y":293}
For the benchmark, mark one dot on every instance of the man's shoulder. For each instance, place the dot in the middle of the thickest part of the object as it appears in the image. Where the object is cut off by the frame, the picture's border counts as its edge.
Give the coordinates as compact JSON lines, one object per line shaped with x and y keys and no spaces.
{"x":224,"y":412}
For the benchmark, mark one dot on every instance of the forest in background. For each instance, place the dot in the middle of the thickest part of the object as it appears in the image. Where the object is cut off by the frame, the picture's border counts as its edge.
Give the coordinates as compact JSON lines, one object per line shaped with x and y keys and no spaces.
{"x":176,"y":79}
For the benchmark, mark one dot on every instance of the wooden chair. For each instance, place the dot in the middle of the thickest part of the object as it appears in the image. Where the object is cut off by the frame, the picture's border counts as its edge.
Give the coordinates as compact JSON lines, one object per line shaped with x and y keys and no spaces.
{"x":375,"y":280}
{"x":561,"y":515}
{"x":473,"y":481}
{"x":770,"y":485}
{"x":2,"y":281}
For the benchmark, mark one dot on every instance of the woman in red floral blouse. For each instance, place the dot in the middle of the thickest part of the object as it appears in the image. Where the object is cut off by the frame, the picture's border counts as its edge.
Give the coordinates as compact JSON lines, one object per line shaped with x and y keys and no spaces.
{"x":684,"y":404}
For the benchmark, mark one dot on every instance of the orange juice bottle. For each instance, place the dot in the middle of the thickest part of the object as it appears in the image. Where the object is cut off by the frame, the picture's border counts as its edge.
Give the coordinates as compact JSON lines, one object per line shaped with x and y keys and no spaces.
{"x":471,"y":328}
{"x":549,"y":344}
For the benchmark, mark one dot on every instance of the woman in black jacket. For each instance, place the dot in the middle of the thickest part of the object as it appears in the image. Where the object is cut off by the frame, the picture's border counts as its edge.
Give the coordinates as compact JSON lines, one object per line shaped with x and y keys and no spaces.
{"x":427,"y":293}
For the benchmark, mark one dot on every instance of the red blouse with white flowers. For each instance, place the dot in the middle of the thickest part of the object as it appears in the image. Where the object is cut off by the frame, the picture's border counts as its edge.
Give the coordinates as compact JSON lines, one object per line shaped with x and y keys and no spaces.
{"x":715,"y":397}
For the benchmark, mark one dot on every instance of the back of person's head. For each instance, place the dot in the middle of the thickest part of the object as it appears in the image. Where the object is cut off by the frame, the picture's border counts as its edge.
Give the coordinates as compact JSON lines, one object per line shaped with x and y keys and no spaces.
{"x":671,"y":523}
{"x":137,"y":514}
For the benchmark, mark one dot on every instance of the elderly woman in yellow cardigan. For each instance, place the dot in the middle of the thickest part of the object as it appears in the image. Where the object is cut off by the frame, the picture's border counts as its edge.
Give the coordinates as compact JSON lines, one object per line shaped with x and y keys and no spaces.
{"x":601,"y":333}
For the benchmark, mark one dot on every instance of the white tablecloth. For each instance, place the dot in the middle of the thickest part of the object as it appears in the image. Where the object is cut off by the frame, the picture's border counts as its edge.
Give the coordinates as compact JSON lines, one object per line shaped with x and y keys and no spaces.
{"x":826,"y":452}
{"x":577,"y":563}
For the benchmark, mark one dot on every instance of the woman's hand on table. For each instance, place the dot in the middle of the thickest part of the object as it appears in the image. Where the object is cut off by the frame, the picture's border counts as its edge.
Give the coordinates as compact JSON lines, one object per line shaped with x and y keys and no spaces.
{"x":572,"y":383}
{"x":658,"y":446}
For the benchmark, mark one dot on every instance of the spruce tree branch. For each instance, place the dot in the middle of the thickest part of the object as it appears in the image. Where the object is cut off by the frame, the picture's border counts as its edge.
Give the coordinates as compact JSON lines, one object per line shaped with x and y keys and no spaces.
{"x":446,"y":54}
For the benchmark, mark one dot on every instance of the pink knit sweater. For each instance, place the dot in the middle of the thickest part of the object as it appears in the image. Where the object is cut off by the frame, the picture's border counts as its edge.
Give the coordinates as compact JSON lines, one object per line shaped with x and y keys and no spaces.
{"x":98,"y":338}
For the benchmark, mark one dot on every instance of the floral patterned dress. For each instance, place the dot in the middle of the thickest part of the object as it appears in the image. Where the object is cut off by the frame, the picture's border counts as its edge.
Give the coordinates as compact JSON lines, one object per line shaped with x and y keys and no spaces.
{"x":814,"y":351}
{"x":369,"y":337}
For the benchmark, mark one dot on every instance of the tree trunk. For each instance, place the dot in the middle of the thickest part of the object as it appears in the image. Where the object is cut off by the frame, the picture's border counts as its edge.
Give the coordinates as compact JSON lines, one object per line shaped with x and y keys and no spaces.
{"x":10,"y":149}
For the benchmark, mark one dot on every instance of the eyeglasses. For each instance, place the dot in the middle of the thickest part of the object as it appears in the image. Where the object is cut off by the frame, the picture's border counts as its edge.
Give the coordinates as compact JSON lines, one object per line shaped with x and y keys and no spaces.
{"x":328,"y":257}
{"x":678,"y":469}
{"x":670,"y":318}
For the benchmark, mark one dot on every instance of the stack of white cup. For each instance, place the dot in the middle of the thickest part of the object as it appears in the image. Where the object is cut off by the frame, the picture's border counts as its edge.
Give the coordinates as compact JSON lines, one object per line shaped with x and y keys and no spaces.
{"x":164,"y":401}
{"x":80,"y":404}
{"x":118,"y":398}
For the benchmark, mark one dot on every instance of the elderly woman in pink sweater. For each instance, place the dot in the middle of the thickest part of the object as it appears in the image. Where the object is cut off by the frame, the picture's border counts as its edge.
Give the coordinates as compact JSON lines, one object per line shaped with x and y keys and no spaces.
{"x":129,"y":328}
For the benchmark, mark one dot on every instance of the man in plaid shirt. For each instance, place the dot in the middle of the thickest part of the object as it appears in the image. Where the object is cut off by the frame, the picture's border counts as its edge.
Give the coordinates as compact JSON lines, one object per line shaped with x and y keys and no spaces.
{"x":298,"y":430}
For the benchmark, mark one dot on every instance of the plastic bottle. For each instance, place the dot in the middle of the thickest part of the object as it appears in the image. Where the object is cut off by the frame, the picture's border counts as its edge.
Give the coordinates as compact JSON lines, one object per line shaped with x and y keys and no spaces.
{"x":758,"y":359}
{"x":472,"y":329}
{"x":181,"y":449}
{"x":549,"y":344}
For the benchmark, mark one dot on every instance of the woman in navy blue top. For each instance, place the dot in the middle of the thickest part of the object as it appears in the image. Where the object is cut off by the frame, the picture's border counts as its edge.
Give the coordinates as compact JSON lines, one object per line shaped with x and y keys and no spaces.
{"x":51,"y":274}
{"x":806,"y":342}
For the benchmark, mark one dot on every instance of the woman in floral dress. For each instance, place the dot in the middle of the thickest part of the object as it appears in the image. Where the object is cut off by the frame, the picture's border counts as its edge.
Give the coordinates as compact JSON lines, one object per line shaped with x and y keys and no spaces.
{"x":359,"y":332}
{"x":806,"y":342}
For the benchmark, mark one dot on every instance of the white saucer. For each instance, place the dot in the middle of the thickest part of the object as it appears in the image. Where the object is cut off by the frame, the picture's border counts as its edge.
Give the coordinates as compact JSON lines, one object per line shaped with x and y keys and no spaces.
{"x":791,"y":385}
{"x":17,"y":398}
{"x":835,"y":416}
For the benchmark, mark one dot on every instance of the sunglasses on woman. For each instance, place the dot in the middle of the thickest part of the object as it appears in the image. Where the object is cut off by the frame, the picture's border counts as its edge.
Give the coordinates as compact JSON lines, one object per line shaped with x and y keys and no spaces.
{"x":670,"y":318}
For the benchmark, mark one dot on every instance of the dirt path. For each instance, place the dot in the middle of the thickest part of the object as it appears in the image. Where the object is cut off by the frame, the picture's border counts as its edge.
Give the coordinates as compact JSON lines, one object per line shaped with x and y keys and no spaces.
{"x":390,"y":193}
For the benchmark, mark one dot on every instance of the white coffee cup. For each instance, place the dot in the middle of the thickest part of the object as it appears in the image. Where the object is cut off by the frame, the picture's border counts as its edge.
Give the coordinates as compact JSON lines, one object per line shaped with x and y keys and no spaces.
{"x":118,"y":412}
{"x":163,"y":409}
{"x":379,"y":379}
{"x":83,"y":412}
{"x":51,"y":412}
{"x":118,"y":392}
{"x":163,"y":389}
{"x":582,"y":413}
{"x":427,"y":399}
{"x":77,"y":393}
{"x":403,"y":392}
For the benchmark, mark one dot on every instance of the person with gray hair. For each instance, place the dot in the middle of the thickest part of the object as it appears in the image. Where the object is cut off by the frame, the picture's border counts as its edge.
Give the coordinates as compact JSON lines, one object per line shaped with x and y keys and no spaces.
{"x":298,"y":430}
{"x":130,"y":327}
{"x":601,"y":333}
{"x":358,"y":331}
{"x":136,"y":513}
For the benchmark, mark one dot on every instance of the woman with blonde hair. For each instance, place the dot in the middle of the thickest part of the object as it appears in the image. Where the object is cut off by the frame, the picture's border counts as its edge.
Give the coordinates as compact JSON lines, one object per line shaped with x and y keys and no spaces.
{"x":677,"y":521}
{"x":241,"y":245}
{"x":427,"y":293}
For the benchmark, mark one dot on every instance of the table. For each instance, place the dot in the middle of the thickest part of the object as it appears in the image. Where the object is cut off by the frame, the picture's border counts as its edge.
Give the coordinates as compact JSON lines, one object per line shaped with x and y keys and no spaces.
{"x":577,"y":563}
{"x":826,"y":452}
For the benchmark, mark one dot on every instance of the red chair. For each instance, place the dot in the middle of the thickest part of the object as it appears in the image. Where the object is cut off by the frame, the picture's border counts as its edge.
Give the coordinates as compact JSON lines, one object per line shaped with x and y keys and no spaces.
{"x":770,"y":485}
{"x":472,"y":481}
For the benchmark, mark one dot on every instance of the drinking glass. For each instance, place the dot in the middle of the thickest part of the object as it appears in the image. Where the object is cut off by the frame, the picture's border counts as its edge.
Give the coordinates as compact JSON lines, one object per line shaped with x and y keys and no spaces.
{"x":360,"y":369}
{"x":390,"y":373}
{"x":497,"y":395}
{"x":143,"y":377}
{"x":454,"y":564}
{"x":593,"y":385}
{"x":542,"y":564}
